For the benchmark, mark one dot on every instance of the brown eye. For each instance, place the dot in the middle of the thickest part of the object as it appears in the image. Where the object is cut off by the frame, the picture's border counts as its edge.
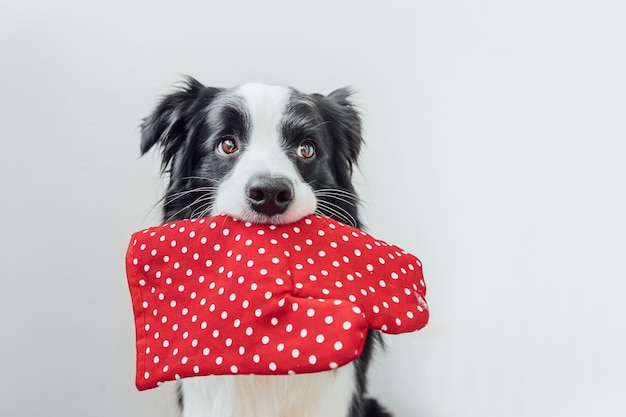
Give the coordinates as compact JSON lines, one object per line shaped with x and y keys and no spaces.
{"x":306,"y":150}
{"x":227,"y":146}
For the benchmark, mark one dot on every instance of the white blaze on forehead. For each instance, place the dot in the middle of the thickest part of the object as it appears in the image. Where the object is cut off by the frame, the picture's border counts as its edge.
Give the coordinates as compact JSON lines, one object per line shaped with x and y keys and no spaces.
{"x":265,"y":105}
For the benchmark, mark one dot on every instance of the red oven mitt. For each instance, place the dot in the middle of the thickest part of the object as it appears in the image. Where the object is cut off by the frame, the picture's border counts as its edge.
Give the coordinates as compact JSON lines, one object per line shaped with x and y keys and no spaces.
{"x":219,"y":296}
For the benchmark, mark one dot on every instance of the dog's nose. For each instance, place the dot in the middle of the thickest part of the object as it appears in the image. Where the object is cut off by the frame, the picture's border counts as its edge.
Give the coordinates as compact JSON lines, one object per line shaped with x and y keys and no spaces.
{"x":269,"y":195}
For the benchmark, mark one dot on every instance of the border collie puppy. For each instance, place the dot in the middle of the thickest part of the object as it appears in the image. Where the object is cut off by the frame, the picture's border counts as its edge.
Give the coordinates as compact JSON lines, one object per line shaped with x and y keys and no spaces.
{"x":263,"y":154}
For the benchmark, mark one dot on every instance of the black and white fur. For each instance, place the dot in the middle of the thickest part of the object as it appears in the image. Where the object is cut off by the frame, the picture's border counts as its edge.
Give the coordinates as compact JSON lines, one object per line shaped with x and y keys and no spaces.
{"x":264,"y":154}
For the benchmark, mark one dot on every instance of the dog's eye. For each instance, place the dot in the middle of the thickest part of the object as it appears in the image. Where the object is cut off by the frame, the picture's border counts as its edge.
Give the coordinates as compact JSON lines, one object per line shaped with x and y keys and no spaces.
{"x":306,"y":150}
{"x":227,"y":146}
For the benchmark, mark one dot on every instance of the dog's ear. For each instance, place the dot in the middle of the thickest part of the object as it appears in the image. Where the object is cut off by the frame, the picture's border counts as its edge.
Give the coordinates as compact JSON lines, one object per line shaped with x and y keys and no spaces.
{"x":169,"y":124}
{"x":344,"y":124}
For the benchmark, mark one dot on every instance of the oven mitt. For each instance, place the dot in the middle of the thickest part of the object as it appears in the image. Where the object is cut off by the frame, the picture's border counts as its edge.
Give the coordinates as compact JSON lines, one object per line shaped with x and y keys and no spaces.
{"x":219,"y":296}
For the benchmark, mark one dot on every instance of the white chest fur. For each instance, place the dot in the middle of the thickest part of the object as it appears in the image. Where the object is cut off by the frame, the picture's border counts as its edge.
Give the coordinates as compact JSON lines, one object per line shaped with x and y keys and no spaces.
{"x":325,"y":394}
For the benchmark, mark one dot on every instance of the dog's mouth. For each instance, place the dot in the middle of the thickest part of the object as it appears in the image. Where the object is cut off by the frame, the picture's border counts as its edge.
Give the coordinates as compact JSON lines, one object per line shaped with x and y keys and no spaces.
{"x":248,"y":214}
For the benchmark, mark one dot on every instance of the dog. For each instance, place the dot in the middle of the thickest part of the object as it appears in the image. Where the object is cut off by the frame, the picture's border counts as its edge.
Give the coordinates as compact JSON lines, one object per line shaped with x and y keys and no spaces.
{"x":265,"y":154}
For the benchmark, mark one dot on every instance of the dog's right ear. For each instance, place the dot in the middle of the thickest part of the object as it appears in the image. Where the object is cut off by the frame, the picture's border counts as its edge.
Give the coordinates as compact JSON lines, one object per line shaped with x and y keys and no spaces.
{"x":168,"y":125}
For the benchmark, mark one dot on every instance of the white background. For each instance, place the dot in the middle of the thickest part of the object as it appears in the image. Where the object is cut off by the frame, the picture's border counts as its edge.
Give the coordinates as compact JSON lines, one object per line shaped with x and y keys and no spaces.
{"x":495,"y":151}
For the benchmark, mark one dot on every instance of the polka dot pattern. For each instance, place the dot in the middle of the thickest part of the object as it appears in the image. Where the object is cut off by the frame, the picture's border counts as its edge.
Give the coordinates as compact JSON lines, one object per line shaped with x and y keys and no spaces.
{"x":218,"y":296}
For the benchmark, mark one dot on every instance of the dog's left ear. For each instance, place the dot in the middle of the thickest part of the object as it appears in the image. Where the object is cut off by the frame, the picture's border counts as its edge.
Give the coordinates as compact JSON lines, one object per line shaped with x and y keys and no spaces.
{"x":344,"y":123}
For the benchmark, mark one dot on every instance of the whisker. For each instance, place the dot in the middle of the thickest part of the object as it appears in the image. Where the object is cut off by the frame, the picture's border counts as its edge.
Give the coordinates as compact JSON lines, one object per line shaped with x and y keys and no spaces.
{"x":196,"y":201}
{"x":338,"y":211}
{"x":176,"y":196}
{"x":334,"y":197}
{"x":337,"y":191}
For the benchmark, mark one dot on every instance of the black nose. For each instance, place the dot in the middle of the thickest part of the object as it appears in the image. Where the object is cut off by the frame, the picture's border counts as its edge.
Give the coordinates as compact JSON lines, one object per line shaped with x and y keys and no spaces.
{"x":270,"y":195}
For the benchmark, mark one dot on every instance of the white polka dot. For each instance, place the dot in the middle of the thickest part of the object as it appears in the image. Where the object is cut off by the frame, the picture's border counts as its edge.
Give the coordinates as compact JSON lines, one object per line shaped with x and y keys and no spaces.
{"x":228,"y":342}
{"x":295,"y":353}
{"x":289,"y":328}
{"x":146,"y":375}
{"x":155,"y":359}
{"x":184,"y":360}
{"x":196,"y":369}
{"x":328,"y":319}
{"x":176,"y":265}
{"x":242,"y":350}
{"x":279,"y":281}
{"x":265,"y":340}
{"x":189,"y":272}
{"x":303,"y":333}
{"x":216,"y":333}
{"x":347,"y":325}
{"x":206,"y":351}
{"x":280,"y":347}
{"x":208,"y":263}
{"x":233,"y":369}
{"x":166,"y":343}
{"x":261,"y":251}
{"x":376,"y":309}
{"x":173,"y":243}
{"x":194,"y":343}
{"x":272,"y":366}
{"x":310,"y":312}
{"x":166,"y":368}
{"x":338,"y":345}
{"x":256,"y":358}
{"x":249,"y":331}
{"x":263,"y":271}
{"x":219,"y":360}
{"x":369,"y":267}
{"x":333,"y":365}
{"x":203,"y":240}
{"x":173,"y":303}
{"x":181,"y":288}
{"x":258,"y":312}
{"x":268,"y":295}
{"x":319,"y":338}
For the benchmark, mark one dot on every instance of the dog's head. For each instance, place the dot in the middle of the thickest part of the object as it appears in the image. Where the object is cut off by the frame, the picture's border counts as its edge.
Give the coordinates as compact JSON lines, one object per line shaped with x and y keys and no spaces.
{"x":256,"y":152}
